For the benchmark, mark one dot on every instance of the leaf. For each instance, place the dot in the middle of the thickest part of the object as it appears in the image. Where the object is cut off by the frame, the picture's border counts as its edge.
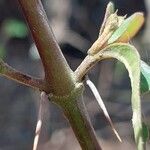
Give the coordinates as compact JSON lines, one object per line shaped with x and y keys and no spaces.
{"x":129,"y":56}
{"x":2,"y":51}
{"x":108,"y":12}
{"x":145,"y":77}
{"x":127,"y":29}
{"x":145,"y":132}
{"x":15,"y":28}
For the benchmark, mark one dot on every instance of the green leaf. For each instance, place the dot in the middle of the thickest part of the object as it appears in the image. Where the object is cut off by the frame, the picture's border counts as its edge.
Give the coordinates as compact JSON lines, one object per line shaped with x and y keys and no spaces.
{"x":2,"y":51}
{"x":127,"y":29}
{"x":15,"y":28}
{"x":145,"y":77}
{"x":129,"y":56}
{"x":145,"y":132}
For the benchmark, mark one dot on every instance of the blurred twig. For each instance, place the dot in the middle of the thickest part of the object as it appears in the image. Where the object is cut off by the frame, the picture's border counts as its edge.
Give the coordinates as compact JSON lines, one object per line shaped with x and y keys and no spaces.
{"x":42,"y":106}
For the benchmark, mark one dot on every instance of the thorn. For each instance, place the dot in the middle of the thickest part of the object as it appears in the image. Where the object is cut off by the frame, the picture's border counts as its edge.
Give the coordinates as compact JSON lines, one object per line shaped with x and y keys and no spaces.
{"x":117,"y":135}
{"x":116,"y":11}
{"x":102,"y":105}
{"x":125,"y":16}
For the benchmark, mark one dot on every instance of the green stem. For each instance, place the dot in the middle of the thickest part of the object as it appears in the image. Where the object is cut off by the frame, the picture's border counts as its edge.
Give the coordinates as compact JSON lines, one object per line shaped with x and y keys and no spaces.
{"x":75,"y":111}
{"x":82,"y":127}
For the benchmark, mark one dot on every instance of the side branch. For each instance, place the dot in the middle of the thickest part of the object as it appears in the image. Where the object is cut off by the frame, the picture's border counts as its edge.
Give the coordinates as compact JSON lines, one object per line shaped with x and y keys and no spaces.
{"x":85,"y":66}
{"x":10,"y":73}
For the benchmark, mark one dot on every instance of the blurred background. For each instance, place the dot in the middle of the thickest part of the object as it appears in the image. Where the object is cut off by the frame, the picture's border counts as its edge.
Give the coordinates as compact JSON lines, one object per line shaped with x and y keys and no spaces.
{"x":76,"y":25}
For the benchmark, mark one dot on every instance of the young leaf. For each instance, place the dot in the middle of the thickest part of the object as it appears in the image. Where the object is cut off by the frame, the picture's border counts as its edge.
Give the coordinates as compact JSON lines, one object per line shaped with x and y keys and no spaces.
{"x":128,"y":29}
{"x":110,"y":26}
{"x":108,"y":12}
{"x":145,"y":77}
{"x":129,"y":56}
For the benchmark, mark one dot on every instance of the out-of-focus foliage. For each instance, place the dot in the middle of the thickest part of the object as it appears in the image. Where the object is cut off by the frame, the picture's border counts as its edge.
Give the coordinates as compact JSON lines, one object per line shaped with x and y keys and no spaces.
{"x":15,"y":28}
{"x":145,"y":77}
{"x":145,"y":132}
{"x":2,"y":52}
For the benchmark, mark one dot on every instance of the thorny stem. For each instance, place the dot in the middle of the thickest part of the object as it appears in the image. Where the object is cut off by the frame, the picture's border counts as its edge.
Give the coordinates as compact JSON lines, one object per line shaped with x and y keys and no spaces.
{"x":10,"y":73}
{"x":57,"y":71}
{"x":59,"y":78}
{"x":75,"y":111}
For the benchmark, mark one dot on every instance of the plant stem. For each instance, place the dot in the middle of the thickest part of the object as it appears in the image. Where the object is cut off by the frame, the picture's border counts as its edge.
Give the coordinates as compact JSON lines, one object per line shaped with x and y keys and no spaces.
{"x":59,"y":78}
{"x":58,"y":74}
{"x":85,"y":66}
{"x":10,"y":73}
{"x":75,"y":111}
{"x":82,"y":127}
